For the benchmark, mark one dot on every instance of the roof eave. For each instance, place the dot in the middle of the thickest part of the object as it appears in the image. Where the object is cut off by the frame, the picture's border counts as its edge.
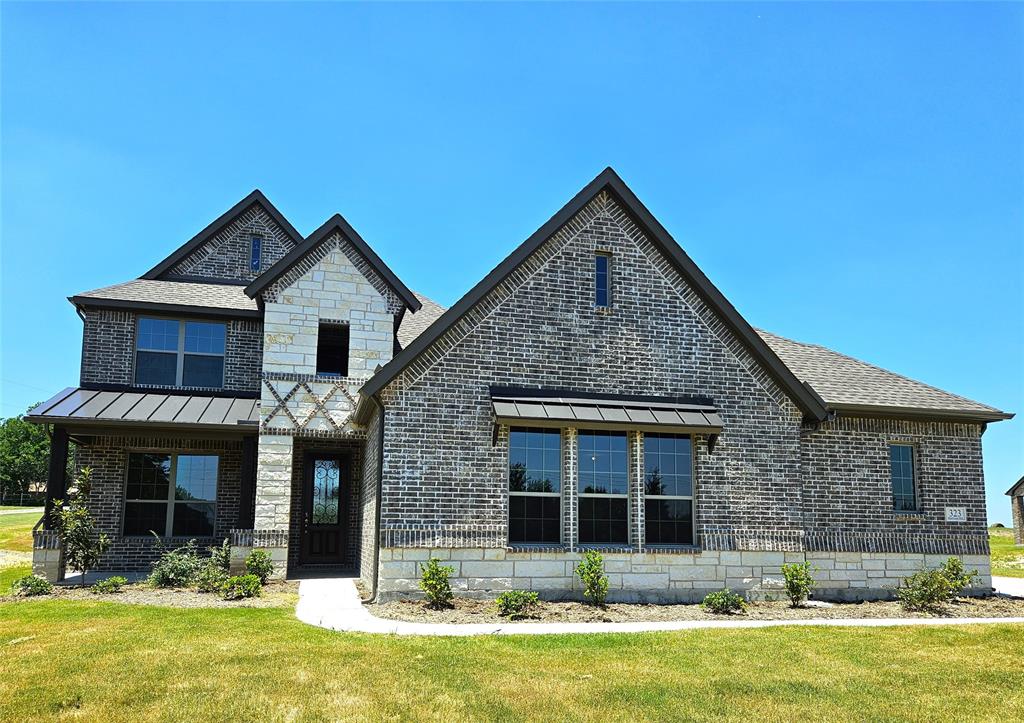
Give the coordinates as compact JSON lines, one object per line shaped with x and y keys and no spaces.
{"x":126,"y":305}
{"x":1018,"y":487}
{"x":976,"y":416}
{"x":150,"y":426}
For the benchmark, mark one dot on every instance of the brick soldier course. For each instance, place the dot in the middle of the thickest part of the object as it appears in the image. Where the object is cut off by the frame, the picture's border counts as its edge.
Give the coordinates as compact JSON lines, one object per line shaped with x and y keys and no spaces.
{"x":798,"y":468}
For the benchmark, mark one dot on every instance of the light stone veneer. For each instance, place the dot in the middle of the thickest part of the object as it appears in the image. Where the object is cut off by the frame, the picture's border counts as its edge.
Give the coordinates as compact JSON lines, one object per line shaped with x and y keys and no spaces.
{"x":664,"y":577}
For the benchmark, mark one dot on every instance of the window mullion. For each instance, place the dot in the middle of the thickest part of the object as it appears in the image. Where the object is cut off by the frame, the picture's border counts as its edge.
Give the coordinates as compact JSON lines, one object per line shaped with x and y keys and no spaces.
{"x":181,"y":353}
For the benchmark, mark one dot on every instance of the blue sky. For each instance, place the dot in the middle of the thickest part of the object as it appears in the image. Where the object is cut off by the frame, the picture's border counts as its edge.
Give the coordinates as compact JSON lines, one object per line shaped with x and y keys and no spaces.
{"x":850,"y":175}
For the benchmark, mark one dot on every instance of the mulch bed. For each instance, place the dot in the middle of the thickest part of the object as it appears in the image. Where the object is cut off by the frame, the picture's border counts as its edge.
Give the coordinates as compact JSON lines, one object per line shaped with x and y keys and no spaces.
{"x":274,"y":595}
{"x":482,"y":611}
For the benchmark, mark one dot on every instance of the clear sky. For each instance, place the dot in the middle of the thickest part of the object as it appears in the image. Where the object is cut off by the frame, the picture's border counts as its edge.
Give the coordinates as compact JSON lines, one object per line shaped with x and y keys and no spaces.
{"x":850,"y":174}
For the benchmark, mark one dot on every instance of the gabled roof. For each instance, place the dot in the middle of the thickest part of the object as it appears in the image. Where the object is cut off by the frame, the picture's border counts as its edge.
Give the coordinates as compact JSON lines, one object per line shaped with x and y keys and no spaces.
{"x":851,"y":385}
{"x":415,"y":324}
{"x":335,"y":223}
{"x":1017,"y":489}
{"x":171,"y":296}
{"x":228,"y":217}
{"x":609,"y":181}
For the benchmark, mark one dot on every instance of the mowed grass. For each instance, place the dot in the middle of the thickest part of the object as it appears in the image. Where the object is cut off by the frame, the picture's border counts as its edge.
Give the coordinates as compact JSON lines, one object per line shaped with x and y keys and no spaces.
{"x":111,"y":661}
{"x":16,"y":531}
{"x":1007,"y":557}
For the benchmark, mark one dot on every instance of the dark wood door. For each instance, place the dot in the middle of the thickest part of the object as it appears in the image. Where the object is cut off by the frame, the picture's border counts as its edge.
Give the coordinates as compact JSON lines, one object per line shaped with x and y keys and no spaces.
{"x":324,"y":509}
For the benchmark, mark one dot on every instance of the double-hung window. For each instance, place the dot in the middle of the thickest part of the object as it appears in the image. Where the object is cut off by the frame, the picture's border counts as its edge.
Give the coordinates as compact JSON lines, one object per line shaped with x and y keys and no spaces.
{"x":668,"y":489}
{"x":603,"y":488}
{"x":171,"y":494}
{"x":174,"y":353}
{"x":901,"y":468}
{"x":534,"y":486}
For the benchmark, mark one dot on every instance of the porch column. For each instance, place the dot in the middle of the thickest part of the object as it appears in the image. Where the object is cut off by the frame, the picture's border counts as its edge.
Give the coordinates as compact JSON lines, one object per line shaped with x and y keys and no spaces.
{"x":57,"y":478}
{"x":247,"y":491}
{"x":272,"y":516}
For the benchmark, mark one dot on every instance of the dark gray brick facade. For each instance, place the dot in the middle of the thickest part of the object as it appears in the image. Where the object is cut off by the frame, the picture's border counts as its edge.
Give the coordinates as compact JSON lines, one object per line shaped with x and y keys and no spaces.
{"x":108,"y":459}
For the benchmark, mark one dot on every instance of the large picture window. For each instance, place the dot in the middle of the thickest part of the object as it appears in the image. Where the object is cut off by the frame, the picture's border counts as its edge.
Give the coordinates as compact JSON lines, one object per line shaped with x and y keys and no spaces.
{"x":901,"y":467}
{"x":603,"y":488}
{"x":668,"y":490}
{"x":171,"y":494}
{"x":534,"y":486}
{"x":174,"y":353}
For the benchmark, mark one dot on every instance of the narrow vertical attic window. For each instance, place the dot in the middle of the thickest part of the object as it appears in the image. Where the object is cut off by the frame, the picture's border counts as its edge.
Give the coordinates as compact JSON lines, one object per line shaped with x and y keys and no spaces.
{"x":332,"y":350}
{"x":602,"y":280}
{"x":254,"y":253}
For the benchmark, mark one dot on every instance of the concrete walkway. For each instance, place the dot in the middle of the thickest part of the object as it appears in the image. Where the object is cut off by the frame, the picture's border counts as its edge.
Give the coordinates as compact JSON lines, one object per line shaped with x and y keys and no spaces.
{"x":23,"y":510}
{"x":1012,"y":586}
{"x":334,"y":604}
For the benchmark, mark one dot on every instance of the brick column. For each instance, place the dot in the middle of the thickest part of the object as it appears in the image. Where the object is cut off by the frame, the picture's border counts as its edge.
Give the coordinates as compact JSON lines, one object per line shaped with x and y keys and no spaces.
{"x":274,"y":498}
{"x":636,"y":491}
{"x":570,"y":526}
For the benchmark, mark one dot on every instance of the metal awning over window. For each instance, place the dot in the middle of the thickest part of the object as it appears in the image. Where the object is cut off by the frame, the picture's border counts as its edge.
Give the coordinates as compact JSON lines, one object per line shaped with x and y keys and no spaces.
{"x":567,"y":409}
{"x":76,"y":406}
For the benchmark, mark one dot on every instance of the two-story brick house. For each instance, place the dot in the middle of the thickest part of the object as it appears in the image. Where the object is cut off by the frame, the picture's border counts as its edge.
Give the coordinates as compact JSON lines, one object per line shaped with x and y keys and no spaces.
{"x":595,"y":389}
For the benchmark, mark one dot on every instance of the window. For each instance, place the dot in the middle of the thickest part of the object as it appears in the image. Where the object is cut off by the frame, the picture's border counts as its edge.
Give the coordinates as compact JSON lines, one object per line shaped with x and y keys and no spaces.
{"x":171,"y":494}
{"x":901,"y":467}
{"x":603,"y":488}
{"x":668,"y":490}
{"x":254,"y":253}
{"x":534,"y":486}
{"x":175,"y":353}
{"x":602,"y":280}
{"x":332,"y":350}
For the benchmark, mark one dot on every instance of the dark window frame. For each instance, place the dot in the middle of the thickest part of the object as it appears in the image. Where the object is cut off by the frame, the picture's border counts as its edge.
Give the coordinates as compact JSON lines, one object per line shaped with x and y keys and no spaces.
{"x":602,"y":290}
{"x":691,"y":498}
{"x":180,"y":353}
{"x":171,"y":501}
{"x":915,"y":497}
{"x":525,"y":495}
{"x":614,"y":498}
{"x":323,"y":344}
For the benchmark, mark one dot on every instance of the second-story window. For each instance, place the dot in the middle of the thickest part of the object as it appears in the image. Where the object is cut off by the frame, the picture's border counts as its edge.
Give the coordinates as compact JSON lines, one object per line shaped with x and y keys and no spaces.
{"x":602,"y":280}
{"x":175,"y":353}
{"x":332,"y":350}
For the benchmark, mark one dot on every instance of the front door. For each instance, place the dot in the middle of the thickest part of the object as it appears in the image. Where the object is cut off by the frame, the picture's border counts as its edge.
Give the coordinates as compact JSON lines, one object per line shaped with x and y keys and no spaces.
{"x":324,"y":509}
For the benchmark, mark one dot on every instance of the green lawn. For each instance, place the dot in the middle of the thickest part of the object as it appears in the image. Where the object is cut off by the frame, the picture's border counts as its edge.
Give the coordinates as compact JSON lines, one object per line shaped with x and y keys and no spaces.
{"x":1007,"y":557}
{"x":16,"y":531}
{"x":117,"y":662}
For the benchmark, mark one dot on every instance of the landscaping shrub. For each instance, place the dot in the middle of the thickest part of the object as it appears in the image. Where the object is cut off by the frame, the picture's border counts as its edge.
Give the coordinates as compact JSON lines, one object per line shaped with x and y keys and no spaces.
{"x":220,"y":556}
{"x":516,"y":604}
{"x":931,"y":590}
{"x":242,"y":586}
{"x":723,"y":602}
{"x":82,"y":543}
{"x":176,"y":568}
{"x":798,"y":582}
{"x":211,"y":578}
{"x":591,"y":574}
{"x":31,"y":585}
{"x":109,"y":586}
{"x":258,"y":563}
{"x":434,"y":584}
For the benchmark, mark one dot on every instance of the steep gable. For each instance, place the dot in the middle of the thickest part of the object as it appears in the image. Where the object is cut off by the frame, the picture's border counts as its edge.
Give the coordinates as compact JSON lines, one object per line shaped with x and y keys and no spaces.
{"x":222,"y":250}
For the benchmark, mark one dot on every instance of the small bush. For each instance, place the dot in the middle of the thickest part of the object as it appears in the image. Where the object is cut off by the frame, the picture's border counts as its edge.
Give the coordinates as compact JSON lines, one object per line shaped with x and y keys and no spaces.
{"x":798,"y":582}
{"x":109,"y":586}
{"x":241,"y":586}
{"x":31,"y":585}
{"x":221,"y":555}
{"x":434,"y":584}
{"x":177,"y":568}
{"x":258,"y":563}
{"x":211,"y":578}
{"x":926,"y":591}
{"x":591,"y":574}
{"x":723,"y":602}
{"x":516,"y":604}
{"x":957,"y":575}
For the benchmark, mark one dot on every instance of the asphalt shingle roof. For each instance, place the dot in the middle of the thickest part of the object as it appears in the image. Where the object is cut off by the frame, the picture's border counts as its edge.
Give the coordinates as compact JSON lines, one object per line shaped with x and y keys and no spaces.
{"x":415,"y":324}
{"x":841,"y":379}
{"x":184,"y":293}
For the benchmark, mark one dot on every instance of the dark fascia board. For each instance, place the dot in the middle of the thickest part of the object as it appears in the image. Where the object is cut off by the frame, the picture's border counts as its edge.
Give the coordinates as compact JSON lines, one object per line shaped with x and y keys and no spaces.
{"x":172,"y":309}
{"x":608,"y":180}
{"x":556,"y":393}
{"x":118,"y":426}
{"x":256,"y":197}
{"x":919,"y":414}
{"x":1017,"y":488}
{"x":335,"y":223}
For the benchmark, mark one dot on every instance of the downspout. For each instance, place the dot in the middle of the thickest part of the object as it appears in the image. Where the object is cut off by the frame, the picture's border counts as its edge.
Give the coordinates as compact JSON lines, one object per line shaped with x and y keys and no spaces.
{"x":380,"y":486}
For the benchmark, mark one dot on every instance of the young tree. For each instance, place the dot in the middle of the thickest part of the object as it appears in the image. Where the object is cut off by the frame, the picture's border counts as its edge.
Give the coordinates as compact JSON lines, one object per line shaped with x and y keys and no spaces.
{"x":24,"y":455}
{"x":82,"y":545}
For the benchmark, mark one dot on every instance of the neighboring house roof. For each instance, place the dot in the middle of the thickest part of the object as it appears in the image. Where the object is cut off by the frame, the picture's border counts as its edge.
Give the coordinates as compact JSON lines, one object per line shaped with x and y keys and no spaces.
{"x":609,"y":181}
{"x":222,"y":221}
{"x":336,"y":223}
{"x":171,"y":296}
{"x":852,"y":385}
{"x":1017,"y":489}
{"x":415,"y":324}
{"x":90,"y":407}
